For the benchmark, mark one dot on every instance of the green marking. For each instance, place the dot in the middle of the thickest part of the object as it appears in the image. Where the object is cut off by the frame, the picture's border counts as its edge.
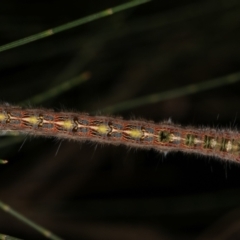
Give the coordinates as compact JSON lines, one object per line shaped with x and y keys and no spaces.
{"x":223,"y":145}
{"x":164,"y":136}
{"x":207,"y":141}
{"x":190,"y":140}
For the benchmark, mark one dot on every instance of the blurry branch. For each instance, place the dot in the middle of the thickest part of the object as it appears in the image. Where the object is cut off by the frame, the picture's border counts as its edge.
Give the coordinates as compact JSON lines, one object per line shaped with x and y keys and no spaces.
{"x":72,"y":24}
{"x":23,"y":219}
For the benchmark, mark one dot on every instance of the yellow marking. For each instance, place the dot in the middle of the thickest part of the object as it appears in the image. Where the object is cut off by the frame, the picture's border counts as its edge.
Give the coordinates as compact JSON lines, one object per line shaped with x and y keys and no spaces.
{"x":172,"y":137}
{"x":229,"y":146}
{"x":2,"y":117}
{"x":134,"y":133}
{"x":235,"y":148}
{"x":33,"y":120}
{"x":103,"y":129}
{"x":68,"y":124}
{"x":213,"y":143}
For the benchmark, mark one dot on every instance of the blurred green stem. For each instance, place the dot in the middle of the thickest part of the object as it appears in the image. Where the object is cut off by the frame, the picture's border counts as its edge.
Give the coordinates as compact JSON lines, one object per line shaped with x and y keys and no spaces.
{"x":40,"y":229}
{"x":6,"y":237}
{"x":178,"y":92}
{"x":72,"y":24}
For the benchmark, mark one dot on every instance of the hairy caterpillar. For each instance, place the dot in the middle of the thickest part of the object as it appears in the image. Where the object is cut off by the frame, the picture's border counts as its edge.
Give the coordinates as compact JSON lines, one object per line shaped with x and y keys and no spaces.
{"x":163,"y":136}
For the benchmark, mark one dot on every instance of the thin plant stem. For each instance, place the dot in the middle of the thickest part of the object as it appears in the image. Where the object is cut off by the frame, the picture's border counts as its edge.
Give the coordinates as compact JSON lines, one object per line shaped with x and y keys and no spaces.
{"x":72,"y":24}
{"x":6,"y":237}
{"x":3,"y":161}
{"x":59,"y":89}
{"x":174,"y":93}
{"x":19,"y":216}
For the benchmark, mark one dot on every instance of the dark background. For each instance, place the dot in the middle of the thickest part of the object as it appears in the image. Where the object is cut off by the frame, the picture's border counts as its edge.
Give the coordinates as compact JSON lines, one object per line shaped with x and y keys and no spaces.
{"x":89,"y":191}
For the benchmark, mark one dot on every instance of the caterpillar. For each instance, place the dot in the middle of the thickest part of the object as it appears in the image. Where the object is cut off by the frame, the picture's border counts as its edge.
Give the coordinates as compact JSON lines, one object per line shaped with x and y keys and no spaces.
{"x":163,"y":137}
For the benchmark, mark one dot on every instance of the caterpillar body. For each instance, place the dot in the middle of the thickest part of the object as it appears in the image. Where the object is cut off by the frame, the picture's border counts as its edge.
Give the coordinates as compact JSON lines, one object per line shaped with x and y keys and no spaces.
{"x":164,"y":136}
